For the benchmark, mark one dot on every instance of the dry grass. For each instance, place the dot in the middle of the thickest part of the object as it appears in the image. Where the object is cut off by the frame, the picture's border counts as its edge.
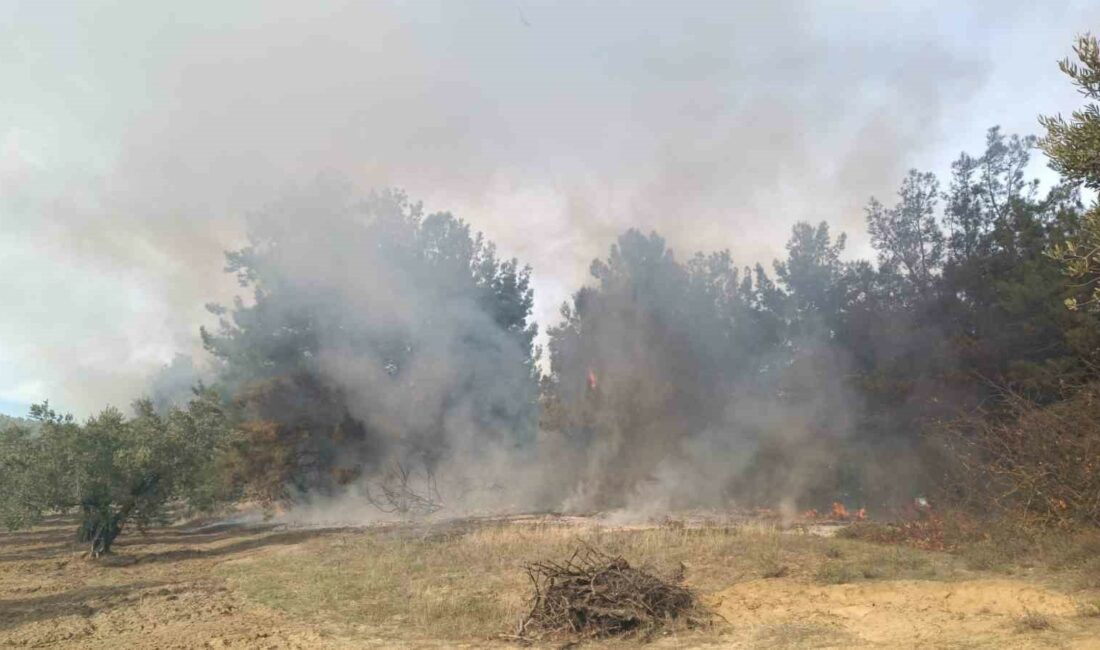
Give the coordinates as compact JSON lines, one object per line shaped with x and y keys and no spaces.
{"x":1087,"y":609}
{"x":462,"y":585}
{"x":798,"y":634}
{"x":1002,"y":545}
{"x":882,"y":564}
{"x":1034,"y":622}
{"x":470,"y":584}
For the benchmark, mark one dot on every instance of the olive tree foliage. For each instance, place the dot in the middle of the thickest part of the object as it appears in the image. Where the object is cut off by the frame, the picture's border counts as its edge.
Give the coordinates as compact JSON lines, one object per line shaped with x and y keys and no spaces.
{"x":23,"y":484}
{"x":1073,"y":146}
{"x":113,"y":471}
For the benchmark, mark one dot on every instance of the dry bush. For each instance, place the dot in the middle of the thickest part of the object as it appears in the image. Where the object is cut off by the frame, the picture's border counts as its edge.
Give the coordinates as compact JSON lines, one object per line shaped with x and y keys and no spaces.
{"x":925,"y":529}
{"x":294,"y":437}
{"x":1034,"y":622}
{"x":396,"y":492}
{"x":1039,"y":462}
{"x":593,"y":594}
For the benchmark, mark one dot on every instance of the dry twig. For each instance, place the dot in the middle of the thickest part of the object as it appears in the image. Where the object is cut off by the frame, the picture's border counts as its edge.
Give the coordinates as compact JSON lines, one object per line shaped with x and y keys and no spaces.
{"x":396,"y":493}
{"x":593,"y":594}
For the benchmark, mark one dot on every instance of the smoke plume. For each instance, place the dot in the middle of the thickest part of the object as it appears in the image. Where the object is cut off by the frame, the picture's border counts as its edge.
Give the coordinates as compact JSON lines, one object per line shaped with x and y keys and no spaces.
{"x":134,"y":139}
{"x":137,"y":141}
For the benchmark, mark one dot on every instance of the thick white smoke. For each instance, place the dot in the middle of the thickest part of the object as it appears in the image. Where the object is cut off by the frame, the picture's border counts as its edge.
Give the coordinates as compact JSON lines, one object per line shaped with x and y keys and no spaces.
{"x":132,"y":139}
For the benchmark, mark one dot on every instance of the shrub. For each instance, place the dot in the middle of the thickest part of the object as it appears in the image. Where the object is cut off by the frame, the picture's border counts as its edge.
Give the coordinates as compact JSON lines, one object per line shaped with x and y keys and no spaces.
{"x":1039,"y":462}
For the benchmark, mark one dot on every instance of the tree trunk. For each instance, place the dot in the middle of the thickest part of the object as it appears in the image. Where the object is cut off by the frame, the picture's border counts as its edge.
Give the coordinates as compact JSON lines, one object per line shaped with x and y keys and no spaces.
{"x":100,"y":526}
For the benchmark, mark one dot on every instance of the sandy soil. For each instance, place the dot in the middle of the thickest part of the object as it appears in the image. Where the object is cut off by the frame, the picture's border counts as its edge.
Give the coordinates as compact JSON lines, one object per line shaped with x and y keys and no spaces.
{"x":165,"y":590}
{"x":906,"y":614}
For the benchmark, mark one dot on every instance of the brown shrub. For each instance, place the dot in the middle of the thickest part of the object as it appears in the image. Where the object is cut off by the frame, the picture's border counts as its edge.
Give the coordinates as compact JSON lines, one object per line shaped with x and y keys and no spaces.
{"x":1038,"y":462}
{"x":295,"y":436}
{"x":927,"y":530}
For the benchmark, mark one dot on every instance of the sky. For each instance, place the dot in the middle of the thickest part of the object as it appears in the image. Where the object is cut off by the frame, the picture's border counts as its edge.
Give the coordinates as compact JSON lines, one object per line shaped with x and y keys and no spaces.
{"x":136,"y":137}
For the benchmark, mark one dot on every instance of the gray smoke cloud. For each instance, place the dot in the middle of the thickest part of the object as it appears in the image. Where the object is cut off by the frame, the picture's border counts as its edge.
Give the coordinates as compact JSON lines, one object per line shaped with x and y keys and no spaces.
{"x":134,"y":138}
{"x":679,"y":408}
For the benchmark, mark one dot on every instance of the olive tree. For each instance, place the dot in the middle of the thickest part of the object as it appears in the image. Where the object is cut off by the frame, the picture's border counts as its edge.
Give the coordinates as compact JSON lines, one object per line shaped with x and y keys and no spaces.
{"x":1073,"y":146}
{"x":111,"y":470}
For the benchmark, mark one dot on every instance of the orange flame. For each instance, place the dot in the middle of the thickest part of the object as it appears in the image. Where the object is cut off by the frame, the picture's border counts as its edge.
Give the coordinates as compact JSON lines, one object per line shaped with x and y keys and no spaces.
{"x":839,"y":511}
{"x":591,"y":379}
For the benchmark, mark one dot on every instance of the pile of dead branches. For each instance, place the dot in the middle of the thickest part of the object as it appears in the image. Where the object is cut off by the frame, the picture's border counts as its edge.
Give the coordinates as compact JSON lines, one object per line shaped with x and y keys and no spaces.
{"x":593,"y":594}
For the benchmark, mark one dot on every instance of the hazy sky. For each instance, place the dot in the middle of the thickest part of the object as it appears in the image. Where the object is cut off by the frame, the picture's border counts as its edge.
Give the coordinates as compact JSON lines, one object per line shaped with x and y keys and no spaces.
{"x":135,"y":136}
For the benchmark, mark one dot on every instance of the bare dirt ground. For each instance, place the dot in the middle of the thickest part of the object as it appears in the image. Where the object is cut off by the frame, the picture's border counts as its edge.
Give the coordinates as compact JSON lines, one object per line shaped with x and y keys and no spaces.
{"x":461,"y":585}
{"x":158,"y":591}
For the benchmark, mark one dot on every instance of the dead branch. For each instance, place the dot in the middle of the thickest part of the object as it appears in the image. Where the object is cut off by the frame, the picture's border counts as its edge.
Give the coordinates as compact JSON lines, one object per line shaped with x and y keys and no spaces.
{"x":395,"y":492}
{"x":593,"y":594}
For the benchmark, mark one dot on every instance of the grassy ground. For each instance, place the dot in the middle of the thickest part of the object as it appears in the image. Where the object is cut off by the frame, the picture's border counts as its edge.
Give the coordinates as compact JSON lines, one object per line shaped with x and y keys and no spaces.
{"x":465,"y":584}
{"x":462,"y":584}
{"x":471,"y":584}
{"x":1004,"y":546}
